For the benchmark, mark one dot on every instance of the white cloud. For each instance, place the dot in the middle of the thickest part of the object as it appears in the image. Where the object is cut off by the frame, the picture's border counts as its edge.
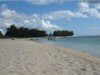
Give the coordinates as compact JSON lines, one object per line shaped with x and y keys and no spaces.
{"x":89,"y":11}
{"x":97,"y":6}
{"x":9,"y":17}
{"x":85,"y":11}
{"x":64,"y":14}
{"x":45,"y":2}
{"x":83,"y":7}
{"x":48,"y":25}
{"x":6,"y":12}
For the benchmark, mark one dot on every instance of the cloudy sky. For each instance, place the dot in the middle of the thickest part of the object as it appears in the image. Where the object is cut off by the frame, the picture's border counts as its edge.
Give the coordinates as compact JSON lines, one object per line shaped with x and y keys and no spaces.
{"x":80,"y":16}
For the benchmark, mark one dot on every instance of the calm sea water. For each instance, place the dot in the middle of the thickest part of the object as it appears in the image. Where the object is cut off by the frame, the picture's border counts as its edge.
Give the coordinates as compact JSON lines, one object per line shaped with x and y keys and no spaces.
{"x":90,"y":45}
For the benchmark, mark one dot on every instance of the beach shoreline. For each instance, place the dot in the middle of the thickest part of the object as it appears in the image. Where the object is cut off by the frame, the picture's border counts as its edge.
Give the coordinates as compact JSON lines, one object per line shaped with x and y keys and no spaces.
{"x":23,"y":56}
{"x":80,"y":54}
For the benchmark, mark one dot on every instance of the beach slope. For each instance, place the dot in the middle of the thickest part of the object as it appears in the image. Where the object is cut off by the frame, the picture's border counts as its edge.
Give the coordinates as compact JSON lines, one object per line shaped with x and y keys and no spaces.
{"x":25,"y":57}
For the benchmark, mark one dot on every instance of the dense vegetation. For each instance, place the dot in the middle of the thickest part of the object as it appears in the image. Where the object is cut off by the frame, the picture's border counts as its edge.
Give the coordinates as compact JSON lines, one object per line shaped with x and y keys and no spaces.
{"x":63,"y":33}
{"x":14,"y":31}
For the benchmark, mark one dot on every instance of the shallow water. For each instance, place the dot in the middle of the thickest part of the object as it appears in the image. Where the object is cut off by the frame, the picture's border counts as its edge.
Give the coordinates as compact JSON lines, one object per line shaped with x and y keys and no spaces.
{"x":89,"y":44}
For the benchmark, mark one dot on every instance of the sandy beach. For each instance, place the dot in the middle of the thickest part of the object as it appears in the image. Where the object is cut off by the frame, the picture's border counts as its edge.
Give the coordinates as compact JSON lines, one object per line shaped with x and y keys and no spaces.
{"x":25,"y":57}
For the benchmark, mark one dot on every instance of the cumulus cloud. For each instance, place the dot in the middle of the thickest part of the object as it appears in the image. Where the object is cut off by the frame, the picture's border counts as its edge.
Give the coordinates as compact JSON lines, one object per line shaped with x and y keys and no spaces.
{"x":84,"y":11}
{"x":8,"y":17}
{"x":90,"y":11}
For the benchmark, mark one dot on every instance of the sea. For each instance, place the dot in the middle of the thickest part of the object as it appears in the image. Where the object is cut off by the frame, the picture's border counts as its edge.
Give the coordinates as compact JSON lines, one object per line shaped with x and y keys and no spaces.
{"x":88,"y":44}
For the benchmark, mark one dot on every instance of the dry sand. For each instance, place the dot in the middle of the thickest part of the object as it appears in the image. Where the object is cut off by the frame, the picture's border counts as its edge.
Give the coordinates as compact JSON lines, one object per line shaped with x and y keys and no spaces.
{"x":24,"y":57}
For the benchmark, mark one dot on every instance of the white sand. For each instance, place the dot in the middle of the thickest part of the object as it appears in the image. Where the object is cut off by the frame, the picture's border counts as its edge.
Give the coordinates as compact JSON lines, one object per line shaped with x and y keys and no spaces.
{"x":23,"y":57}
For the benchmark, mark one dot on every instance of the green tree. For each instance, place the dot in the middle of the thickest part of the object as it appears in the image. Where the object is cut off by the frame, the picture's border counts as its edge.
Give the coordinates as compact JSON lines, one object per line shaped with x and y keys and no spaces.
{"x":11,"y":31}
{"x":63,"y":33}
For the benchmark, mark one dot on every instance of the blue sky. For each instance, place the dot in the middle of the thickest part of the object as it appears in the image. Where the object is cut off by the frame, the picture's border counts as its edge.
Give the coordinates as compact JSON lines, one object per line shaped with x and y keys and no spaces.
{"x":82,"y":17}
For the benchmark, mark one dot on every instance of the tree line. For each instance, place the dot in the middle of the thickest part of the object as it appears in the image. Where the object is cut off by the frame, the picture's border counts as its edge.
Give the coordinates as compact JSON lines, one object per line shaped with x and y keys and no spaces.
{"x":22,"y":32}
{"x":13,"y":31}
{"x":63,"y":33}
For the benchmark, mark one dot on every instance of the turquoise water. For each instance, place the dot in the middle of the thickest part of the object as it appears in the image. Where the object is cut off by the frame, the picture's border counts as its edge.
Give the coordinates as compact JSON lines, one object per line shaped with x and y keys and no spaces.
{"x":90,"y":45}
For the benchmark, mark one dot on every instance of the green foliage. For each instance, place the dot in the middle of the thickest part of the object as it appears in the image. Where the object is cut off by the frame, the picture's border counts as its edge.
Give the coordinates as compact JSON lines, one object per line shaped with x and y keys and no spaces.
{"x":63,"y":33}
